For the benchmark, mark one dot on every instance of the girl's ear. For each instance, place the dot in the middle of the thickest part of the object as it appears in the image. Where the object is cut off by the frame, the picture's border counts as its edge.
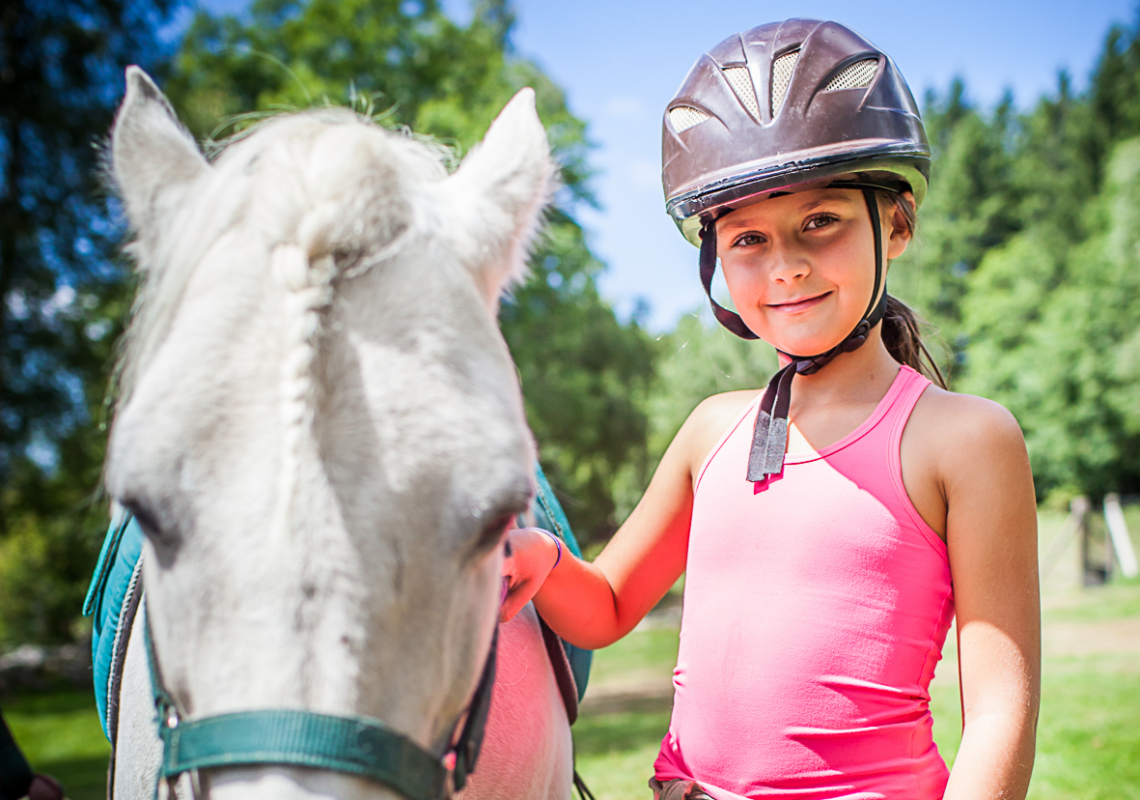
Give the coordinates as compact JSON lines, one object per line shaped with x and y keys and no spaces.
{"x":901,"y":225}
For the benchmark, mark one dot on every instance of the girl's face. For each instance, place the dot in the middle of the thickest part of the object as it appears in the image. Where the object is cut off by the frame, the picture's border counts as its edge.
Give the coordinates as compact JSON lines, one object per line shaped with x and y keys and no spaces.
{"x":800,"y":268}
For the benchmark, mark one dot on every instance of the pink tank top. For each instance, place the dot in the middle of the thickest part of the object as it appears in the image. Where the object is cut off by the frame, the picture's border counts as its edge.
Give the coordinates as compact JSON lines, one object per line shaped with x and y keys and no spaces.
{"x":816,"y":605}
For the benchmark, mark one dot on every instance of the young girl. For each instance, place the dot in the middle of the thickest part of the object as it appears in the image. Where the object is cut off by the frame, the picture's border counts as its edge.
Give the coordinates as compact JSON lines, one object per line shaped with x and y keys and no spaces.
{"x":832,"y":527}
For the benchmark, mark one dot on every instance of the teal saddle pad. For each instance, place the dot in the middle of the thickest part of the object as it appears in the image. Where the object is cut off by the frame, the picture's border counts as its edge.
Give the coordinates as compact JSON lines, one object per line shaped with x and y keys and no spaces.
{"x":116,"y":574}
{"x":118,"y":571}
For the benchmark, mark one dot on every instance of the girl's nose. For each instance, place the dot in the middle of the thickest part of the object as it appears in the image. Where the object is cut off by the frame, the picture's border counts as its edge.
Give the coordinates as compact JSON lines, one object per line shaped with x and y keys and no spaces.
{"x":787,"y":264}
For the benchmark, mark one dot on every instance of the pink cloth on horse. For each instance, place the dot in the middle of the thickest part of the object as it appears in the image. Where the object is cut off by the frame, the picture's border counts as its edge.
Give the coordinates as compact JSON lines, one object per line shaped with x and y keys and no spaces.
{"x":816,"y":605}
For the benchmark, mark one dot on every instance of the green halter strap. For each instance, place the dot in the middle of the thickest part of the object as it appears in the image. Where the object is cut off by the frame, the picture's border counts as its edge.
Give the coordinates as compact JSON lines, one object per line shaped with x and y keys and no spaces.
{"x":350,"y":744}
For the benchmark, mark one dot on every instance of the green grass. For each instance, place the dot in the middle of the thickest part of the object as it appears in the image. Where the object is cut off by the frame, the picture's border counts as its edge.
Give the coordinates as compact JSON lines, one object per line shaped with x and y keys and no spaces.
{"x":649,"y":653}
{"x":60,"y":735}
{"x":1118,"y":600}
{"x":1088,"y":740}
{"x":615,"y":752}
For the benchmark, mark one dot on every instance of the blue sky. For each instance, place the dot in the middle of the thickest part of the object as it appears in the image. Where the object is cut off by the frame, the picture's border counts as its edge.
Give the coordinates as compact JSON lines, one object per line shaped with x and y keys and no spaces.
{"x":620,"y":63}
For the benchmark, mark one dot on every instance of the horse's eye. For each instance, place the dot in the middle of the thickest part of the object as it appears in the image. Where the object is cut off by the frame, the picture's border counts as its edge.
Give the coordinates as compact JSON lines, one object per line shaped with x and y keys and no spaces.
{"x":162,"y":538}
{"x":492,"y":533}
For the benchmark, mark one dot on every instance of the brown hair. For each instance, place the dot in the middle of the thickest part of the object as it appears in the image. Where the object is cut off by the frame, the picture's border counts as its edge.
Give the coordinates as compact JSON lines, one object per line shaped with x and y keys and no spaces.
{"x":902,"y":327}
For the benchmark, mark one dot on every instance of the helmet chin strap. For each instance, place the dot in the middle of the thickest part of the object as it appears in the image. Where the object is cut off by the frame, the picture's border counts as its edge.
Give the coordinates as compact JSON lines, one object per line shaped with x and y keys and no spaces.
{"x":770,"y":436}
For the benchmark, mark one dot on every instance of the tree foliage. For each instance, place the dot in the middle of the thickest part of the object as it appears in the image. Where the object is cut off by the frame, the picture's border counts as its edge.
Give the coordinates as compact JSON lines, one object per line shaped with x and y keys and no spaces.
{"x":1038,"y":217}
{"x":1055,"y":336}
{"x":969,"y":209}
{"x":61,"y":292}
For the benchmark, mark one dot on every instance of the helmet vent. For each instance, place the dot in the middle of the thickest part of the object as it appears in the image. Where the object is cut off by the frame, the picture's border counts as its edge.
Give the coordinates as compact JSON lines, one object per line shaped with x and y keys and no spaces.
{"x":782,"y":69}
{"x":685,"y":117}
{"x":855,"y":76}
{"x":741,"y":83}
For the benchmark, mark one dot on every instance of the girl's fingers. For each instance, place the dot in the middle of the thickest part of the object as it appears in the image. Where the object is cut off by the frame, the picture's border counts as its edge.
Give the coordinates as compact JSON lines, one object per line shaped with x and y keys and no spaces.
{"x":517,"y":596}
{"x":530,"y":557}
{"x":507,"y":612}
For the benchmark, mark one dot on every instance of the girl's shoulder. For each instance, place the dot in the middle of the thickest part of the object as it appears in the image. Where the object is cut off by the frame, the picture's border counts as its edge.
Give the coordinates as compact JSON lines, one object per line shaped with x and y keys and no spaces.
{"x":962,"y":416}
{"x":708,"y":423}
{"x":957,"y":448}
{"x":958,"y":431}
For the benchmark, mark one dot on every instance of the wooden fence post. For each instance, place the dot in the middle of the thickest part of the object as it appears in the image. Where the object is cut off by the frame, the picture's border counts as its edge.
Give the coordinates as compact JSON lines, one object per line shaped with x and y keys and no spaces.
{"x":1118,"y":535}
{"x":1073,"y":524}
{"x":1096,"y":561}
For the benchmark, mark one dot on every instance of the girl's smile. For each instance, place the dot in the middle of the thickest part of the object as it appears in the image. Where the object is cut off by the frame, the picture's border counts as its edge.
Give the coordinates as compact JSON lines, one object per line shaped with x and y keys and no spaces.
{"x":796,"y":306}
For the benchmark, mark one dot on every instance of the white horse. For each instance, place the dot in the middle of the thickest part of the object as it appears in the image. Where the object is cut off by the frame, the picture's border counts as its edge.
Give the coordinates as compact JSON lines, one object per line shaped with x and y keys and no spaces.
{"x":321,"y":433}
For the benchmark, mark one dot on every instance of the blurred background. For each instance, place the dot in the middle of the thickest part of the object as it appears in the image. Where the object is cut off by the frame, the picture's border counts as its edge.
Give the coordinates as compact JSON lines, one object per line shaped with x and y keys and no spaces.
{"x":1027,"y":267}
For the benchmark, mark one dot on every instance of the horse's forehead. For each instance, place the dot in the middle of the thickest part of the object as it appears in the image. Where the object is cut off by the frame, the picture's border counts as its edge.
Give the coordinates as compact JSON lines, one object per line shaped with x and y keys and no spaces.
{"x":436,"y":380}
{"x":323,"y":153}
{"x":407,"y":351}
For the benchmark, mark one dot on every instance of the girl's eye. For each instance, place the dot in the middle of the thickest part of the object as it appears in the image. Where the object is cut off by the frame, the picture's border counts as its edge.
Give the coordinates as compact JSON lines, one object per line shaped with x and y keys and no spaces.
{"x":821,"y":221}
{"x":747,"y":240}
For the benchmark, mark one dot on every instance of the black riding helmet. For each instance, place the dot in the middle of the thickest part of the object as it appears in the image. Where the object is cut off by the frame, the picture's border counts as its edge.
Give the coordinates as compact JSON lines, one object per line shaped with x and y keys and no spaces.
{"x":766,"y":112}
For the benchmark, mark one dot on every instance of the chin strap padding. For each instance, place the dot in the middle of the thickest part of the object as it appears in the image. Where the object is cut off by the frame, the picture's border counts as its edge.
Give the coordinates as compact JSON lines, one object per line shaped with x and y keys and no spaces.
{"x":729,"y":319}
{"x":770,"y":436}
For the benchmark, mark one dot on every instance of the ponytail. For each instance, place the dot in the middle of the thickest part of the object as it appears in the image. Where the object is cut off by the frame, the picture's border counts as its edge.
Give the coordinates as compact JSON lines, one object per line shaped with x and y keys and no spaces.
{"x":903,"y":337}
{"x":902,"y":328}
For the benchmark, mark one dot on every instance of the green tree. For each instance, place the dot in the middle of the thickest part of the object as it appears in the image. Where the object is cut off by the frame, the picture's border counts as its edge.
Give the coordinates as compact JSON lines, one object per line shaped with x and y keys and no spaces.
{"x":584,"y":372}
{"x":585,"y":379}
{"x":698,"y":359}
{"x":1064,"y":144}
{"x":403,"y":60}
{"x":1051,"y":315}
{"x":970,"y":208}
{"x":1055,"y":336}
{"x":61,"y":290}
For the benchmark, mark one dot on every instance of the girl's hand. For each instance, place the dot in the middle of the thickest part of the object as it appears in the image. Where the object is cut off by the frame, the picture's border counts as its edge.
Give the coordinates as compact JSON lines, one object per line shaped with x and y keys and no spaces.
{"x":531,"y":554}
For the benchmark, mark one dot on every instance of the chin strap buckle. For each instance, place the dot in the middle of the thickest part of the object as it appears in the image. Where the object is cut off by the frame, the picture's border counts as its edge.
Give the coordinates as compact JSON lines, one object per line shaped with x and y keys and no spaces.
{"x":857,"y":337}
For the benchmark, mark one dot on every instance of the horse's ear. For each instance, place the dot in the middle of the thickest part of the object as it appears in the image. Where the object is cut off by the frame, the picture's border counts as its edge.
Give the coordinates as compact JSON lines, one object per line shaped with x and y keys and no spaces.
{"x":154,"y":159}
{"x":510,"y":177}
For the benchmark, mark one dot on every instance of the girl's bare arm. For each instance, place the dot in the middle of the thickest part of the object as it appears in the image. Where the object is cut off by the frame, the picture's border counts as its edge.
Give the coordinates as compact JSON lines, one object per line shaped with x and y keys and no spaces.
{"x":594,"y":604}
{"x":991,"y":533}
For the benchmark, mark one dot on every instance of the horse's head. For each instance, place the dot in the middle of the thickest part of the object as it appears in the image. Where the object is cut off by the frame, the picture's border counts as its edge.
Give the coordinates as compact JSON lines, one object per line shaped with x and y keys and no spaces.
{"x":320,"y":428}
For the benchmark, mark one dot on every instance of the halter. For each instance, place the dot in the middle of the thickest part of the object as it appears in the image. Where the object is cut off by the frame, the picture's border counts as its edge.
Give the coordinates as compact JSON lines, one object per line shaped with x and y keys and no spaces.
{"x":355,"y":745}
{"x":770,"y":436}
